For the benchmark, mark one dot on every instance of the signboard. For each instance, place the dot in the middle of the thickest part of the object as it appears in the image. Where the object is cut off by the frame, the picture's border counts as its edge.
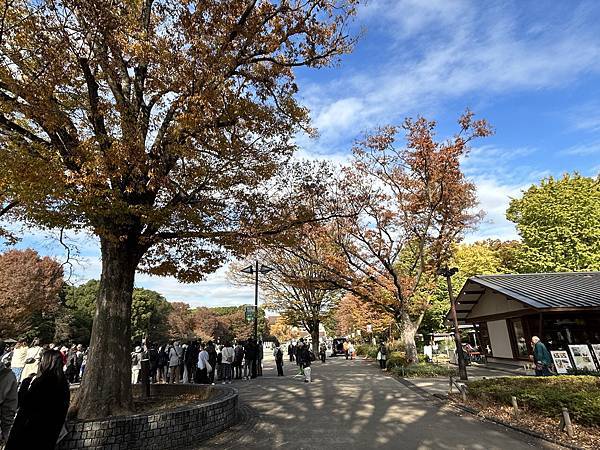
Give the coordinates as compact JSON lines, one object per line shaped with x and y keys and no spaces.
{"x":582,"y":357}
{"x":249,"y":313}
{"x":561,"y":360}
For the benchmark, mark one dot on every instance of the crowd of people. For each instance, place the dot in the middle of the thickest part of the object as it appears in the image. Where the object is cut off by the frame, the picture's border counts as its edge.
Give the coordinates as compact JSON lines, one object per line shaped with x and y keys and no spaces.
{"x":198,"y":362}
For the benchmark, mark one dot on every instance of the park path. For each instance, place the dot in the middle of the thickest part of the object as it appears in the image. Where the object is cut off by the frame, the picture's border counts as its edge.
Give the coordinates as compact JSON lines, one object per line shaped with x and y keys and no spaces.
{"x":352,"y":405}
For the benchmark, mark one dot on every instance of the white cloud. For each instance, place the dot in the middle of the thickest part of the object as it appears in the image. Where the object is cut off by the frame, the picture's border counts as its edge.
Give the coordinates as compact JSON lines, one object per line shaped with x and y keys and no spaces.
{"x":460,"y":49}
{"x":592,"y":148}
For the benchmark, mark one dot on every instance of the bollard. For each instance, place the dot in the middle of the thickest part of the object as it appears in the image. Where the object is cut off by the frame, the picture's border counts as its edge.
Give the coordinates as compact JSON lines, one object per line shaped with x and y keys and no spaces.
{"x":567,"y":420}
{"x":515,"y":406}
{"x":463,"y":391}
{"x":450,"y":387}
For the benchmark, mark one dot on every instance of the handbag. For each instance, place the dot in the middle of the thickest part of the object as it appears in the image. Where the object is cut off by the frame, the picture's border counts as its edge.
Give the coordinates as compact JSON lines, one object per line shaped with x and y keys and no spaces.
{"x":32,"y":359}
{"x":209,"y":368}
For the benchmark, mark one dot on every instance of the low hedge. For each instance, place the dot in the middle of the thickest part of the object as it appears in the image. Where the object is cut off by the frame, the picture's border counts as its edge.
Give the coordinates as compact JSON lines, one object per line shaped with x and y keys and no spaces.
{"x":396,"y":359}
{"x":367,"y":350}
{"x":545,"y":395}
{"x":423,"y":370}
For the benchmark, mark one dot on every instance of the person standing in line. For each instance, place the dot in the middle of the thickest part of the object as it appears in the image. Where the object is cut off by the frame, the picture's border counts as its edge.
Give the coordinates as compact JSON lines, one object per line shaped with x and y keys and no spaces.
{"x":183,"y":375}
{"x":541,"y":358}
{"x":136,"y":364}
{"x":239,"y":357}
{"x":174,"y":360}
{"x":43,"y":407}
{"x":70,"y":368}
{"x":322,"y":351}
{"x":227,"y":358}
{"x":153,"y":360}
{"x":78,"y":362}
{"x":247,"y":360}
{"x":278,"y":354}
{"x":34,"y":353}
{"x":203,"y":366}
{"x":260,"y":354}
{"x":382,"y":355}
{"x":212,"y":359}
{"x":290,"y":351}
{"x":8,"y":397}
{"x":163,"y":364}
{"x":18,"y":358}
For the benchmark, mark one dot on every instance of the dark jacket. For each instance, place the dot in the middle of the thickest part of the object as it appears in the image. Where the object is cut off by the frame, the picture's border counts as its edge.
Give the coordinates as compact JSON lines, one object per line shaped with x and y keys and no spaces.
{"x":8,"y":400}
{"x":303,"y":355}
{"x":41,"y":415}
{"x":541,"y":354}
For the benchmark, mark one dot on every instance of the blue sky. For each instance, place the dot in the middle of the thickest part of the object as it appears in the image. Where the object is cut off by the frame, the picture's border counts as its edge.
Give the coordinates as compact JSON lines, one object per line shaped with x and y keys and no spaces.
{"x":531,"y":68}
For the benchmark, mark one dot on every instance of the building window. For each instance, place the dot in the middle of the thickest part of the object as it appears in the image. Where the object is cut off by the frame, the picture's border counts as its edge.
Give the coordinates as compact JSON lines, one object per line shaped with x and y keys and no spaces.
{"x":519,"y":339}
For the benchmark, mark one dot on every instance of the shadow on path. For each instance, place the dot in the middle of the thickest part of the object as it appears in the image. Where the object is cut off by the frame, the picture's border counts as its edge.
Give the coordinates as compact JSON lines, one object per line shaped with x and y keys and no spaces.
{"x":352,"y":405}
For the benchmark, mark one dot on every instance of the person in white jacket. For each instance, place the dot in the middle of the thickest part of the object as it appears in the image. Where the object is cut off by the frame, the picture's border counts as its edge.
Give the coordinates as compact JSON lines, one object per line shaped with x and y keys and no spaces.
{"x":227,"y":355}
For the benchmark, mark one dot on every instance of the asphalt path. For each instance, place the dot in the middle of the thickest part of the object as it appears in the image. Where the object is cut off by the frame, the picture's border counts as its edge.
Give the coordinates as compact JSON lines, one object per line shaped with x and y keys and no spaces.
{"x":353,"y":405}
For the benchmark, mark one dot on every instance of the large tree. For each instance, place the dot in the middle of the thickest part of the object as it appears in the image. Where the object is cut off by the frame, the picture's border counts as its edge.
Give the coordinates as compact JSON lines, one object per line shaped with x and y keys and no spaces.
{"x":159,"y":126}
{"x":407,"y":206}
{"x":29,"y":291}
{"x":559,"y":223}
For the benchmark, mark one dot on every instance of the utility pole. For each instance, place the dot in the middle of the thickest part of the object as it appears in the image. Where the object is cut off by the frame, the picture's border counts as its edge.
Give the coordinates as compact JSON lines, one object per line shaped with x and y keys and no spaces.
{"x":255,"y":270}
{"x":462,"y":368}
{"x":256,"y":302}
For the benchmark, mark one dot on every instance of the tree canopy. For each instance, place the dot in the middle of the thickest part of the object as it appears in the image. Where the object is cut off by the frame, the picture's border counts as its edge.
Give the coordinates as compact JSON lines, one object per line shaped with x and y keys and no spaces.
{"x":165,"y":128}
{"x":559,"y":223}
{"x":30,"y":287}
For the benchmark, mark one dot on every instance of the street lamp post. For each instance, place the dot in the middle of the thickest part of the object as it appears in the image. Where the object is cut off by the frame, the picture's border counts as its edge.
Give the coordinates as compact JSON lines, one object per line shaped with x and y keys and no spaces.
{"x":462,"y":368}
{"x":254,"y":270}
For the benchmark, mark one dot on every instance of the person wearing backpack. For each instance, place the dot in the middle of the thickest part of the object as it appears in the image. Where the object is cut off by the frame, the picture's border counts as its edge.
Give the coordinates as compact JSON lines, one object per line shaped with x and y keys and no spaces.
{"x":8,"y":398}
{"x":175,"y":353}
{"x":278,"y":354}
{"x":238,"y":359}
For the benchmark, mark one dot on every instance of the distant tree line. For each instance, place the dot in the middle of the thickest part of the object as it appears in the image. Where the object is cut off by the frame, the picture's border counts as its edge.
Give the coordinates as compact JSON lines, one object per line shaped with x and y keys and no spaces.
{"x":35,"y":301}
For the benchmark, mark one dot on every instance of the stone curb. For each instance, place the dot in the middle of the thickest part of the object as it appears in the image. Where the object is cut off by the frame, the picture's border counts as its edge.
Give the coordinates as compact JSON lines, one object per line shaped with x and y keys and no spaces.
{"x":173,"y":428}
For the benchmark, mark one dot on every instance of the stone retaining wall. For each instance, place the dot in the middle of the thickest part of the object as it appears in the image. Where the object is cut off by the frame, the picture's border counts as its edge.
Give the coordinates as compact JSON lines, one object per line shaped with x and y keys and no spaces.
{"x":170,"y":429}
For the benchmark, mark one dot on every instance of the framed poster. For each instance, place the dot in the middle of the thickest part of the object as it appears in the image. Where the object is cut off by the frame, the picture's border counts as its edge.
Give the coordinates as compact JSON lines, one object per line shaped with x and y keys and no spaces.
{"x":596,"y":350}
{"x":561,"y":360}
{"x":582,"y":357}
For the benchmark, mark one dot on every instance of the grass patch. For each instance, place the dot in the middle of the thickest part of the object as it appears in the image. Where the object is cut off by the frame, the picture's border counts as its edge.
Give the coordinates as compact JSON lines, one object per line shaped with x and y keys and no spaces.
{"x":545,"y":395}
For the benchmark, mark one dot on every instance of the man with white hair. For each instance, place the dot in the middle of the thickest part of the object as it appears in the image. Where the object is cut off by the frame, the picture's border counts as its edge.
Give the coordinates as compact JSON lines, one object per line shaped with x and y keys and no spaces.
{"x":541,"y":357}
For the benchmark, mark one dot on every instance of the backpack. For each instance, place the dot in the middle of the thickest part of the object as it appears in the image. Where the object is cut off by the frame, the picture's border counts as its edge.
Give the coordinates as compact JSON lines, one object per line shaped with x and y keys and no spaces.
{"x":312,"y":356}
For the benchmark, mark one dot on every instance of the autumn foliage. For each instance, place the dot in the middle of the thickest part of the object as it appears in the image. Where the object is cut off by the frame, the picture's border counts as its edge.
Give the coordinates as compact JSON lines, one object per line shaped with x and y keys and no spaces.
{"x":29,"y":288}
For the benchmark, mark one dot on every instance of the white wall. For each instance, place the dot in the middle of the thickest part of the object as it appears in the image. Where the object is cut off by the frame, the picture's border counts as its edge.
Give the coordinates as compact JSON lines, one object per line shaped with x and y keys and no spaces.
{"x":498,"y":332}
{"x":492,"y":303}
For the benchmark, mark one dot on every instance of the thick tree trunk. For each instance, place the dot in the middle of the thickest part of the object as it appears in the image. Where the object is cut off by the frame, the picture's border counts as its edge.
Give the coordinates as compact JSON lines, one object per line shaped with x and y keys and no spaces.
{"x":314,"y":335}
{"x":106,"y":386}
{"x":408,"y":330}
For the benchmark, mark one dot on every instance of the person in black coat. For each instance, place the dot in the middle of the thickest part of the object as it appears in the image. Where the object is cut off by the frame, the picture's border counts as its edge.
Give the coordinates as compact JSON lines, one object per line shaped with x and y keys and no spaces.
{"x":43,"y":407}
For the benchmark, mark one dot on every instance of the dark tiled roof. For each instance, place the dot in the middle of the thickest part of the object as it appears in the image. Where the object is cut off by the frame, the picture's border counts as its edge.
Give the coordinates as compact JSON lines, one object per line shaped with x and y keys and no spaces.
{"x":547,"y":290}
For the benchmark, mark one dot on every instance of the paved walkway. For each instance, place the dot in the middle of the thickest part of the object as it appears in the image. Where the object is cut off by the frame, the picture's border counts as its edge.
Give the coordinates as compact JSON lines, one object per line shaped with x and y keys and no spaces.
{"x":352,"y":405}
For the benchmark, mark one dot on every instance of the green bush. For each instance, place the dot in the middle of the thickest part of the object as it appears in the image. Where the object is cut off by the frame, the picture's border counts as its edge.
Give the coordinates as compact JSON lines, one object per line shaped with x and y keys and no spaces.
{"x":423,"y":370}
{"x":367,"y":350}
{"x":545,"y":395}
{"x":398,"y":359}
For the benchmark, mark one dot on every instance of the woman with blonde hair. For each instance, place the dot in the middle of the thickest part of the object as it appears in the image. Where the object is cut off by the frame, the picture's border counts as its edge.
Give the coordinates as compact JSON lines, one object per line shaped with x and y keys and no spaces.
{"x":18,"y":358}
